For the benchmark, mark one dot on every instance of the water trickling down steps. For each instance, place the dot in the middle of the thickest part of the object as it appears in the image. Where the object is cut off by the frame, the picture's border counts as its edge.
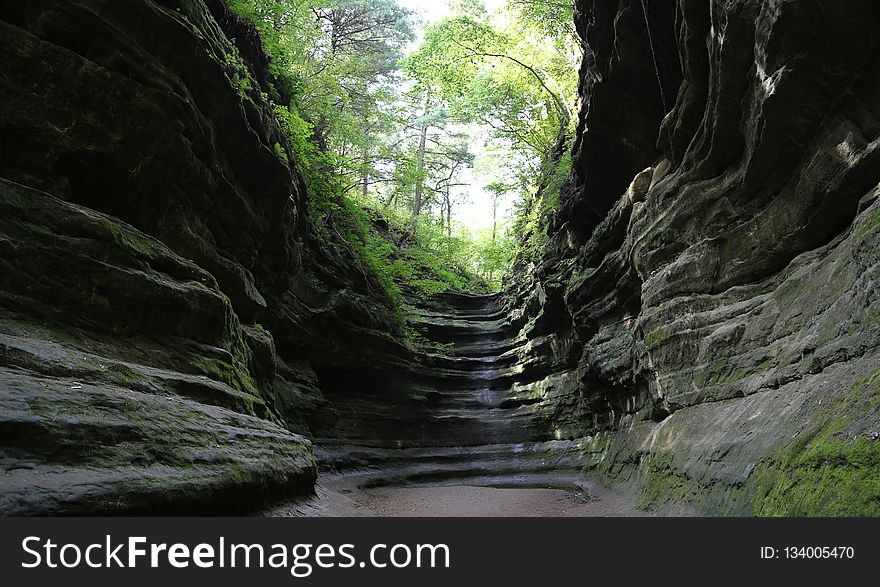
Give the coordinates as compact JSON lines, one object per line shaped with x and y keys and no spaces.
{"x":463,"y":416}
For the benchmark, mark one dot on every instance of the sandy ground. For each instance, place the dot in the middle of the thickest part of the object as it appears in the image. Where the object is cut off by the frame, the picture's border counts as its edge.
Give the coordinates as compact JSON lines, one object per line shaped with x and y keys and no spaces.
{"x":466,"y":501}
{"x":340,"y":498}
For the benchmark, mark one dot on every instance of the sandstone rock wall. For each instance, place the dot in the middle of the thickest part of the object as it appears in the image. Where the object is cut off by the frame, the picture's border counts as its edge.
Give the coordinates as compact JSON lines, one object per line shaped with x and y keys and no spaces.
{"x":714,"y":267}
{"x":166,"y":311}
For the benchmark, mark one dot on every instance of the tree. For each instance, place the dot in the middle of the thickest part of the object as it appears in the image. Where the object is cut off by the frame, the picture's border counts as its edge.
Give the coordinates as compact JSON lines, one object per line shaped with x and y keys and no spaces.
{"x":338,"y":61}
{"x":517,"y":77}
{"x":473,"y":8}
{"x":424,"y":123}
{"x":494,"y":77}
{"x":554,"y":19}
{"x":370,"y":132}
{"x":497,"y":190}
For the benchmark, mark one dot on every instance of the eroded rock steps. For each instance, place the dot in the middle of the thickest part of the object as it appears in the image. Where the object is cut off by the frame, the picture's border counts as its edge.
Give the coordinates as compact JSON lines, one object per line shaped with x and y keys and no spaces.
{"x":464,"y":415}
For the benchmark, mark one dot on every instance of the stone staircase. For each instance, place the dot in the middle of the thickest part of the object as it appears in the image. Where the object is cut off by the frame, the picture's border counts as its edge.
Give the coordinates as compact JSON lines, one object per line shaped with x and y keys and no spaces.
{"x":465,"y":414}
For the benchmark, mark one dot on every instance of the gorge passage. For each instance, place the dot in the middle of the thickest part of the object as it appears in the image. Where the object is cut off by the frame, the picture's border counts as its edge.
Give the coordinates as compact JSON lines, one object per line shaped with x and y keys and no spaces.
{"x":699,"y":332}
{"x":467,"y":416}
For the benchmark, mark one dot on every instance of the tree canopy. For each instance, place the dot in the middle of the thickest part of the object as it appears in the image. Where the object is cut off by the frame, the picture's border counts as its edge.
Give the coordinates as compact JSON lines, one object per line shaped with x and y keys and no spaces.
{"x":391,"y":131}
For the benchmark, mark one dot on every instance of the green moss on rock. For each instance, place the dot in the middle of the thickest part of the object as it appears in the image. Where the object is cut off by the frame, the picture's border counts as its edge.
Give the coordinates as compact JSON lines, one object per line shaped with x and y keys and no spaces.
{"x":830,"y":470}
{"x":831,"y":477}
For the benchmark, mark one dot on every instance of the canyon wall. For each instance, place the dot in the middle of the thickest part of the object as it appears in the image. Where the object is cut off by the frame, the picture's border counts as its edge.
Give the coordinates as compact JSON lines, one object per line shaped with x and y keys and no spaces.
{"x":709,"y":294}
{"x":166,"y":308}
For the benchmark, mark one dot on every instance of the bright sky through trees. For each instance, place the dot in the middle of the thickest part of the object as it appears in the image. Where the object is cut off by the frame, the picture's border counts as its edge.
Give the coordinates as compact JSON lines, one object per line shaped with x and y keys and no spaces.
{"x":445,"y":122}
{"x":475,"y":207}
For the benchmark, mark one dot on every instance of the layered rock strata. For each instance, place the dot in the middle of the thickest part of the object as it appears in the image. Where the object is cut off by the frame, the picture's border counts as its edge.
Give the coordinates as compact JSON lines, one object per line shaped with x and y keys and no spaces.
{"x":166,"y":309}
{"x":712,"y":266}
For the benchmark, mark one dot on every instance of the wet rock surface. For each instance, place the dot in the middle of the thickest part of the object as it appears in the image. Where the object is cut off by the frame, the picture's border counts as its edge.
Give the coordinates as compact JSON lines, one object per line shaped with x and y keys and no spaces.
{"x":468,"y":430}
{"x":466,"y":409}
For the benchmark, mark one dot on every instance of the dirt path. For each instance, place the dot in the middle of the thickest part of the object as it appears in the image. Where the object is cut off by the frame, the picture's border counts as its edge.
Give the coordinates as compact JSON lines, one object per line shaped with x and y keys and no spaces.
{"x":466,"y":501}
{"x":339,"y":497}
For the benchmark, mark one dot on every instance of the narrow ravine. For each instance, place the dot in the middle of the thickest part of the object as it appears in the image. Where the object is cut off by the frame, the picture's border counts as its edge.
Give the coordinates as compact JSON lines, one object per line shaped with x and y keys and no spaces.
{"x":478,"y":448}
{"x":197,"y":317}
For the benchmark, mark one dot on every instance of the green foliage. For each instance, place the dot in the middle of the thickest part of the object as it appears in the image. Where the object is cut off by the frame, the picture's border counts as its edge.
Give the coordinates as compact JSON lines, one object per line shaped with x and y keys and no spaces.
{"x":517,"y":77}
{"x":493,"y":257}
{"x":552,"y":19}
{"x":383,"y":160}
{"x":238,"y":74}
{"x":358,"y":228}
{"x":533,"y":215}
{"x":473,"y":8}
{"x":421,"y":259}
{"x":511,"y":78}
{"x":281,"y":153}
{"x":336,"y":60}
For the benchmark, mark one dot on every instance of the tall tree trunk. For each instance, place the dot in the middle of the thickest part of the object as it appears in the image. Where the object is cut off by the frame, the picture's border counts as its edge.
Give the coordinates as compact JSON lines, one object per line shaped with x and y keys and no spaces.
{"x":448,"y":212}
{"x":494,"y":217}
{"x":420,"y":168}
{"x":365,"y":171}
